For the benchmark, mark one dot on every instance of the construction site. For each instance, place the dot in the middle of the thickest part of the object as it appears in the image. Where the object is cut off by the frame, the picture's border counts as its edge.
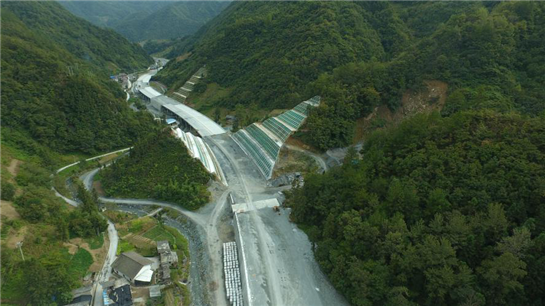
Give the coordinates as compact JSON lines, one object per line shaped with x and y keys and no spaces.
{"x":267,"y":260}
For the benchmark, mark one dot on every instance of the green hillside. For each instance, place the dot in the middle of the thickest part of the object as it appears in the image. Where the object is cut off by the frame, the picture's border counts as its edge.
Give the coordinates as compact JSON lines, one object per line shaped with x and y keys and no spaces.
{"x":55,"y":81}
{"x":489,"y":57}
{"x":102,"y":47}
{"x":58,"y":105}
{"x":269,"y":52}
{"x":177,"y":178}
{"x":365,"y":54}
{"x":439,"y":211}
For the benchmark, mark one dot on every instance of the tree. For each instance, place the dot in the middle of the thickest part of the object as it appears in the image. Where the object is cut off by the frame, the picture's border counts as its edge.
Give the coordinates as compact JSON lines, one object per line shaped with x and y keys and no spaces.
{"x":8,"y":190}
{"x":501,"y":277}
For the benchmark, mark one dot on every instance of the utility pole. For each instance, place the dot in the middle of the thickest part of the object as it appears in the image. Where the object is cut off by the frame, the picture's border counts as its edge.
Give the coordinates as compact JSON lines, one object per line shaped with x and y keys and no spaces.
{"x":19,"y":245}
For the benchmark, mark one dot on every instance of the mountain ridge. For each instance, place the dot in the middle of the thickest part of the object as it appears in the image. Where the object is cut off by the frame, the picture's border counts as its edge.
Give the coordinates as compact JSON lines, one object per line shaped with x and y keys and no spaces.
{"x":154,"y":20}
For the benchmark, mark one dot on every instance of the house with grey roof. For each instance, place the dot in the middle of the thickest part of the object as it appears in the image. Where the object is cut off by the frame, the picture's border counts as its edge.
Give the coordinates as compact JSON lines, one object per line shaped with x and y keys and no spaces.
{"x":134,"y":267}
{"x":168,"y":258}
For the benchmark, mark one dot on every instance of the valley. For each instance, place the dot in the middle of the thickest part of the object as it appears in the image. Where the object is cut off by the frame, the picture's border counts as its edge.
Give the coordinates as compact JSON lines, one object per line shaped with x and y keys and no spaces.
{"x":263,"y":238}
{"x":258,"y":153}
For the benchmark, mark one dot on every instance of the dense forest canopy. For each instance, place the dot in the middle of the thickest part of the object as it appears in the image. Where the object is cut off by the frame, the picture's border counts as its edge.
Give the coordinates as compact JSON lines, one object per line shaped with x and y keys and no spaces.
{"x":161,"y":168}
{"x":278,"y":48}
{"x":438,"y":211}
{"x":359,"y":55}
{"x":55,"y":81}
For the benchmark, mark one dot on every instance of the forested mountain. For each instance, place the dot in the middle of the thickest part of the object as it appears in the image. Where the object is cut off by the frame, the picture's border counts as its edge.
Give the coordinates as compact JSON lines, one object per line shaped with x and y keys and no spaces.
{"x":175,"y":20}
{"x":55,"y":81}
{"x":148,"y":20}
{"x":439,"y":211}
{"x":101,"y":47}
{"x":445,"y":208}
{"x":359,"y":55}
{"x":268,"y":51}
{"x":58,"y":104}
{"x":110,"y":13}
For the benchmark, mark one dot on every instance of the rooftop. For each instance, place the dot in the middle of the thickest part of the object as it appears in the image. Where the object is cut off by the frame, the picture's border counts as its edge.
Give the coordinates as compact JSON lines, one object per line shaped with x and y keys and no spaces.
{"x":130,"y":264}
{"x":202,"y":124}
{"x":149,"y":92}
{"x":155,"y":291}
{"x":163,"y":246}
{"x":121,"y":296}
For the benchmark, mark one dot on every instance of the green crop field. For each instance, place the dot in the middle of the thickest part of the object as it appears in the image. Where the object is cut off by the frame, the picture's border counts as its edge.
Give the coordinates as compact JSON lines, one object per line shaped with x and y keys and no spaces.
{"x":81,"y":261}
{"x":160,"y":233}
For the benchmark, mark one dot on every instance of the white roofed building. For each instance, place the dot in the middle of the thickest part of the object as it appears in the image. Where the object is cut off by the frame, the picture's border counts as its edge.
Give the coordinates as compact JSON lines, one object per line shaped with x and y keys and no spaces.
{"x":149,"y":93}
{"x":134,"y":267}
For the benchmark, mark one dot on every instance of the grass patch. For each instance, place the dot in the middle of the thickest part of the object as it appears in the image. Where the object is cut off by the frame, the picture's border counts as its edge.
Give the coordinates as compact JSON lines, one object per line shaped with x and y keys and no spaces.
{"x":181,"y":244}
{"x":159,"y":233}
{"x":140,"y":225}
{"x":178,"y":243}
{"x":73,"y":170}
{"x":145,"y":250}
{"x":96,"y":242}
{"x":119,"y":216}
{"x":13,"y":286}
{"x":81,"y":261}
{"x":205,"y":102}
{"x":157,"y":87}
{"x":124,"y":246}
{"x":186,"y":295}
{"x":177,"y":240}
{"x":277,"y":111}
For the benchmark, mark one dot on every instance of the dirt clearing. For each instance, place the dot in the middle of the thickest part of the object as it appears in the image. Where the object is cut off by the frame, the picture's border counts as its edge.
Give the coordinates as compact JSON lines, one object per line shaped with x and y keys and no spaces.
{"x":99,"y":255}
{"x":13,"y":167}
{"x":18,"y":236}
{"x":7,"y":209}
{"x":431,"y":98}
{"x":290,"y":161}
{"x":97,"y":185}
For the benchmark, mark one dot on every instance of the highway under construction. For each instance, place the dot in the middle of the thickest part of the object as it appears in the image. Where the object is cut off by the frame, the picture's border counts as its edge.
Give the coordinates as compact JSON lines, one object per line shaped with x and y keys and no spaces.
{"x":275,"y":264}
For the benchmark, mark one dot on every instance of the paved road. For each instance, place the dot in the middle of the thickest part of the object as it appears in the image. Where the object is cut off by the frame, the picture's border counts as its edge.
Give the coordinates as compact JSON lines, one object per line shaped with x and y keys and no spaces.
{"x":93,"y":158}
{"x":67,"y":200}
{"x":318,"y":158}
{"x":113,"y":237}
{"x":197,"y":218}
{"x":207,"y":219}
{"x":270,"y":277}
{"x":153,"y":213}
{"x":279,"y":263}
{"x":106,"y":271}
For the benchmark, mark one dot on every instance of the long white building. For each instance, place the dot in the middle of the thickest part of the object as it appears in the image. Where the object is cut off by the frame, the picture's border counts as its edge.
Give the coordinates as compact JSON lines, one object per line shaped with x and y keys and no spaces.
{"x":200,"y":150}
